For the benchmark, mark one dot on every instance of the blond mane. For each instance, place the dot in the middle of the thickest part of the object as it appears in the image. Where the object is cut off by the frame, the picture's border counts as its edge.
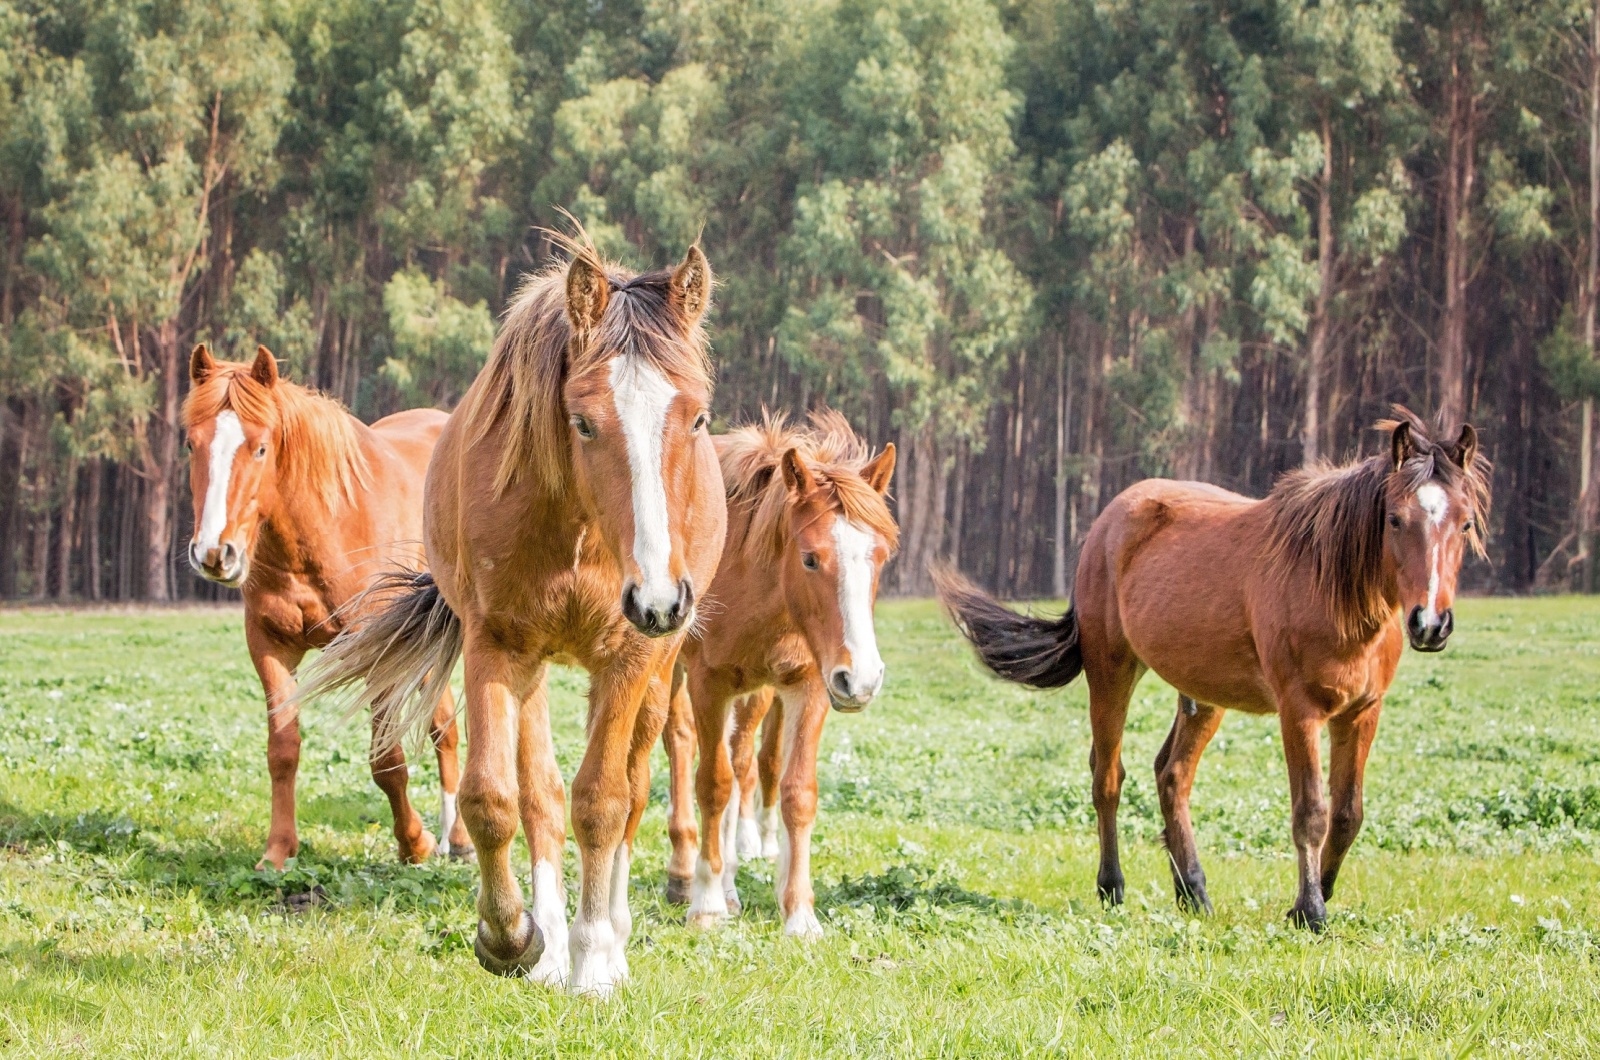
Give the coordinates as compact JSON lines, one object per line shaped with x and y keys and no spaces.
{"x":756,"y":489}
{"x":520,"y":386}
{"x":318,"y":440}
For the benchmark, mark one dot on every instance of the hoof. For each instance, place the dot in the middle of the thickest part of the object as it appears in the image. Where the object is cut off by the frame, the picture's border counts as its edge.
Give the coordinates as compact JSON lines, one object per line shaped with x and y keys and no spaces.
{"x":735,"y":907}
{"x":1192,"y":898}
{"x":421,"y":850}
{"x":1315,"y":920}
{"x":706,"y":921}
{"x":1110,"y":892}
{"x":465,"y":852}
{"x":531,"y":948}
{"x":803,"y":925}
{"x":678,"y":889}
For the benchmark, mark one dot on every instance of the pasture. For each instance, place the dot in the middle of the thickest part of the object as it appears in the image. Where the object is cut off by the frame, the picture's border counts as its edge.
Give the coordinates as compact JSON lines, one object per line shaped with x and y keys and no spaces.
{"x":954,"y":857}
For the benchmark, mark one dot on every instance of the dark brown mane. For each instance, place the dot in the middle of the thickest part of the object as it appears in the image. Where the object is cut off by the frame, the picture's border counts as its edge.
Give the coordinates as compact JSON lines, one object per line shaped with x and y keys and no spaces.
{"x":834,"y":453}
{"x":533,"y":356}
{"x":1332,"y":520}
{"x":318,"y":440}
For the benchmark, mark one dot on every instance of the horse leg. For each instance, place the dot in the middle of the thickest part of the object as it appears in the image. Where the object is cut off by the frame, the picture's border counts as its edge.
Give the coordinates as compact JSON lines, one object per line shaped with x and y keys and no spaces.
{"x":677,"y":737}
{"x":646,"y":731}
{"x":446,"y":736}
{"x":508,"y":941}
{"x":747,"y":717}
{"x":275,"y":666}
{"x":1110,"y":688}
{"x":391,"y":774}
{"x":769,"y":763}
{"x":1193,"y":728}
{"x":601,"y":800}
{"x":1302,"y":731}
{"x":1350,"y":739}
{"x":805,"y":709}
{"x":542,"y":806}
{"x":708,"y":900}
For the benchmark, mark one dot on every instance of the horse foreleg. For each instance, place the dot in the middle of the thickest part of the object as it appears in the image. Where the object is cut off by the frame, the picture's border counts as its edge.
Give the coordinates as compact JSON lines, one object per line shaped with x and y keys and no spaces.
{"x":1302,"y":731}
{"x":1193,"y":728}
{"x":508,"y":941}
{"x":769,"y":763}
{"x":1110,"y":688}
{"x":601,"y":801}
{"x":677,"y":737}
{"x":390,"y":773}
{"x":747,"y":717}
{"x":275,"y":666}
{"x":805,"y":708}
{"x":446,"y":737}
{"x":542,"y":805}
{"x":1350,"y":739}
{"x":708,"y":899}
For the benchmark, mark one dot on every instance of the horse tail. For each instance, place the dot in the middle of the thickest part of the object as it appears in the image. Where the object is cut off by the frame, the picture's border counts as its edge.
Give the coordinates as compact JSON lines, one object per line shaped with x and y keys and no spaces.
{"x":395,"y":661}
{"x":1037,"y":652}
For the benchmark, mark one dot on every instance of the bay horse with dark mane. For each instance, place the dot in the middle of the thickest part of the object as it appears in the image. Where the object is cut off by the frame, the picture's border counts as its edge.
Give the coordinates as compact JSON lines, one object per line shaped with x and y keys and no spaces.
{"x":1299,"y":604}
{"x":573,"y":510}
{"x":298,"y":504}
{"x":809,"y":531}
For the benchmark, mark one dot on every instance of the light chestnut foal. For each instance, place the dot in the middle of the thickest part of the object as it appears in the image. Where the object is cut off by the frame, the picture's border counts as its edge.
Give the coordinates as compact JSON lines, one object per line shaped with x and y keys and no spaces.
{"x":791,"y":607}
{"x":573,"y":509}
{"x":1299,"y":605}
{"x":299,"y":504}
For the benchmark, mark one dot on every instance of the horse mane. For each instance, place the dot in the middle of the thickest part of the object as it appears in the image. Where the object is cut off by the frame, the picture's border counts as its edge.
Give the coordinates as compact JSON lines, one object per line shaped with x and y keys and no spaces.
{"x":834,"y":453}
{"x":521,"y":384}
{"x":1331,"y":519}
{"x":319,"y":441}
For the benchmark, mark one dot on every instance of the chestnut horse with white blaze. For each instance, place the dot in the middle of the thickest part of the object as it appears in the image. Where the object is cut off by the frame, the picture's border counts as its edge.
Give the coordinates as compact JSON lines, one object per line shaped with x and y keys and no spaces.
{"x":1299,"y":604}
{"x":574,"y":509}
{"x":298,"y":504}
{"x":791,"y":607}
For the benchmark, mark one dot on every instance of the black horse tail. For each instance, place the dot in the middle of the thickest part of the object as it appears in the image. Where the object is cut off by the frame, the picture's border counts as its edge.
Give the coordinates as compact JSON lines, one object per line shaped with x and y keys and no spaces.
{"x":1037,"y":652}
{"x":394,"y":660}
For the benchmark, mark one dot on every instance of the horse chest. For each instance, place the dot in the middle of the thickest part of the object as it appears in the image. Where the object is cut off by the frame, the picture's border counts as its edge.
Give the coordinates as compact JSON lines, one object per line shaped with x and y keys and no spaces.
{"x":296,"y":613}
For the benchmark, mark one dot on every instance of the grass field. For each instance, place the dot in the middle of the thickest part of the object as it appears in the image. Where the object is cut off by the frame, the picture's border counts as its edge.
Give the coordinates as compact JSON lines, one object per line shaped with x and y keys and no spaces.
{"x":954,"y":853}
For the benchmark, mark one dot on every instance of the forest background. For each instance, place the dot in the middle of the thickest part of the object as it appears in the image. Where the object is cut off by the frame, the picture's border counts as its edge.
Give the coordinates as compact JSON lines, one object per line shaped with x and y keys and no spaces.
{"x":1048,"y":247}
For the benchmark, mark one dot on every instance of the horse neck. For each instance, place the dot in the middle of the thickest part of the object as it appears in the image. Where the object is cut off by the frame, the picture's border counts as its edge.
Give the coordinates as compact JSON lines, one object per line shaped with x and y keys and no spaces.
{"x":300,"y":516}
{"x":759,"y":577}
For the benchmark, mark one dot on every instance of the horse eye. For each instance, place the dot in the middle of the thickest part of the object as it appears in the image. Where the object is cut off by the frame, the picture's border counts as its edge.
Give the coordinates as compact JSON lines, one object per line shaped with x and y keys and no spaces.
{"x":1394,"y":522}
{"x":261,"y":450}
{"x":1466,"y":527}
{"x":584,"y":428}
{"x":808,"y":560}
{"x":700,"y":423}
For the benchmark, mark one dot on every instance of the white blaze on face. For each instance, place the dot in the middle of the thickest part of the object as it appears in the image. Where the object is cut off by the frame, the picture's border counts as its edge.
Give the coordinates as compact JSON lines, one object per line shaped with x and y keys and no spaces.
{"x":225,"y":442}
{"x":853,"y":549}
{"x":1436,"y":503}
{"x":642,"y":396}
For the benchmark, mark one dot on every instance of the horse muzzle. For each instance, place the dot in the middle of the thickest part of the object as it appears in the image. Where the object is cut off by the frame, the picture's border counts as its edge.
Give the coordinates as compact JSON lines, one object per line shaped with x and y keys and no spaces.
{"x":225,"y":564}
{"x":1429,"y":636}
{"x":658,"y":617}
{"x":848,"y":693}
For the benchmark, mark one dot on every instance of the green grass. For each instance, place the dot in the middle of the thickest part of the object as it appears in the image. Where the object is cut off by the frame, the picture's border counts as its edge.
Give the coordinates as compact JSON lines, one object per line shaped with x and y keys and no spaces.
{"x":954,"y":854}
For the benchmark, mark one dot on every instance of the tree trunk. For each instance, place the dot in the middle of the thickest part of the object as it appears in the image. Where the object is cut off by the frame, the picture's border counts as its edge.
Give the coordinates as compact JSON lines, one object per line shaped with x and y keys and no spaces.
{"x":1316,"y":348}
{"x":69,"y":527}
{"x":1058,"y":572}
{"x":1588,"y":496}
{"x":161,"y":459}
{"x":1460,"y":173}
{"x":91,"y":531}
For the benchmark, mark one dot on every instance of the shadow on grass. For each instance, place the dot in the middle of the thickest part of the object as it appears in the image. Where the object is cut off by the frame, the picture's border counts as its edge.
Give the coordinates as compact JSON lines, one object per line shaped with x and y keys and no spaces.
{"x":117,"y":851}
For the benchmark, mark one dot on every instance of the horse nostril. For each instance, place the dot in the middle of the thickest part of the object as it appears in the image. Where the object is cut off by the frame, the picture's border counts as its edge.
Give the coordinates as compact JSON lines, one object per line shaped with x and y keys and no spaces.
{"x":1414,"y":621}
{"x":1447,"y":623}
{"x":230,"y":555}
{"x":841,"y":683}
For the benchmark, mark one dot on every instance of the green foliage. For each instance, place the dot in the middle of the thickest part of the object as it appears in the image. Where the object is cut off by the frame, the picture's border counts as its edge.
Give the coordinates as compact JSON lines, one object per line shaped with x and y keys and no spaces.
{"x":439,"y":342}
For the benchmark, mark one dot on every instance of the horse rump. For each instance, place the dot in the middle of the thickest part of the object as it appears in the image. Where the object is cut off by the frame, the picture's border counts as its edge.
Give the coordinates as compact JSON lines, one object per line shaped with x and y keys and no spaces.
{"x":1036,"y":652}
{"x":394,"y":659}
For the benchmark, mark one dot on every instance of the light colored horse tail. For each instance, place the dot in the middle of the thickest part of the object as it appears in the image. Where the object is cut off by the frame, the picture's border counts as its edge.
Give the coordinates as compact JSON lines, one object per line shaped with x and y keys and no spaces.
{"x":396,"y":661}
{"x":1037,"y":652}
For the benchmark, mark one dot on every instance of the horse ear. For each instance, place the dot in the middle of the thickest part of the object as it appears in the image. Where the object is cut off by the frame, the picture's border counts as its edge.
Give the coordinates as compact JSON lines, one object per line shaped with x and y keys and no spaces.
{"x":1466,"y":447}
{"x":1401,"y":444}
{"x":691,"y":284}
{"x":264,"y":369}
{"x":588,"y":291}
{"x":201,"y":364}
{"x":880,"y":470}
{"x":796,"y":475}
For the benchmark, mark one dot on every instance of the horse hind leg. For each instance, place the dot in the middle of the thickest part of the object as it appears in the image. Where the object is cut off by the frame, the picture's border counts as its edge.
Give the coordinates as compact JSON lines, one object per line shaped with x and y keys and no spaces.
{"x":446,"y":736}
{"x":678,"y":739}
{"x":391,"y":774}
{"x":1193,"y":728}
{"x":1111,"y":686}
{"x":748,"y":716}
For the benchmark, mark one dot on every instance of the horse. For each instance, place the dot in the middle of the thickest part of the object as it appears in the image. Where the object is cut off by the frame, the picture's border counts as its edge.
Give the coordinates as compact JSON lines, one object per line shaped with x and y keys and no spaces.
{"x":1298,"y":604}
{"x":297,"y":503}
{"x":573,"y":510}
{"x":791,"y":607}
